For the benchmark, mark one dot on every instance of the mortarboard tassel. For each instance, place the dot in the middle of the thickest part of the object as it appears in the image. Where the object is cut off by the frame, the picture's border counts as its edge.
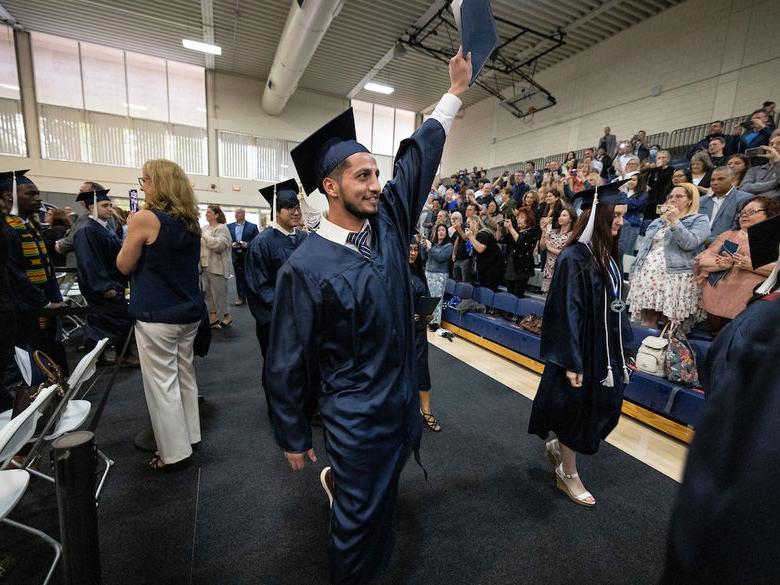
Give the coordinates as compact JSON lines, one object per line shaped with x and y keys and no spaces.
{"x":587,"y":233}
{"x":15,"y":197}
{"x":94,"y":204}
{"x":273,"y":206}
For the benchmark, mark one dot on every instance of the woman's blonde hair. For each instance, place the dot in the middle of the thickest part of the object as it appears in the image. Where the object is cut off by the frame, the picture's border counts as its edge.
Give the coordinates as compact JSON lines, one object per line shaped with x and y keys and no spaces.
{"x":693,"y":197}
{"x":172,"y":192}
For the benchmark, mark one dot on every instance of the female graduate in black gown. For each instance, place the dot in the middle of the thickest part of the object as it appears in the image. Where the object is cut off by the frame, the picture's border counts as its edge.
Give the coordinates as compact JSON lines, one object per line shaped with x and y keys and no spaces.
{"x":419,"y":290}
{"x":581,"y":390}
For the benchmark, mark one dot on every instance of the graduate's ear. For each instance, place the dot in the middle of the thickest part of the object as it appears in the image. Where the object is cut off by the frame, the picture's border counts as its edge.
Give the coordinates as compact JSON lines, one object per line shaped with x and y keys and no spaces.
{"x":331,"y":187}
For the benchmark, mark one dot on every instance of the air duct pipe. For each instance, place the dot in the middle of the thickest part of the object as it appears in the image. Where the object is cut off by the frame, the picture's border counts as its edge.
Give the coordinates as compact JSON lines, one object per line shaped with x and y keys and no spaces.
{"x":307,"y":23}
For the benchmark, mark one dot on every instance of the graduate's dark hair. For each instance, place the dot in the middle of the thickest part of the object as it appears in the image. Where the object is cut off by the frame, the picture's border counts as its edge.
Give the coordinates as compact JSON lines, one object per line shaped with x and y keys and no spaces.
{"x":603,"y":243}
{"x":417,"y":266}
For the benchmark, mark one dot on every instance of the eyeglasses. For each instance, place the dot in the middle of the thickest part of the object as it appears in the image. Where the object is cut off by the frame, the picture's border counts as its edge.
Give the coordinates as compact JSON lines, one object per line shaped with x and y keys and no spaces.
{"x":751,"y":212}
{"x":142,"y":180}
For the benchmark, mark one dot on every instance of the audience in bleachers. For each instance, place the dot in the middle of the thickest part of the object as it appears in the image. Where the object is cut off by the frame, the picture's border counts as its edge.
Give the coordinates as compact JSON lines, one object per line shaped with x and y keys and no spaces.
{"x":700,"y":171}
{"x":519,"y":237}
{"x":662,"y":279}
{"x":756,"y":132}
{"x":726,"y":275}
{"x":632,"y":220}
{"x":659,"y":183}
{"x":723,"y":204}
{"x":739,"y":164}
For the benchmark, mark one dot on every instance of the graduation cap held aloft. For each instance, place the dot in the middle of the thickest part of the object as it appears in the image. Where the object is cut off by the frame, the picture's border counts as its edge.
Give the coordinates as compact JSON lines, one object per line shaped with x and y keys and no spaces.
{"x":282,"y":195}
{"x":9,"y":181}
{"x":478,"y":34}
{"x":764,"y":241}
{"x":323,"y":151}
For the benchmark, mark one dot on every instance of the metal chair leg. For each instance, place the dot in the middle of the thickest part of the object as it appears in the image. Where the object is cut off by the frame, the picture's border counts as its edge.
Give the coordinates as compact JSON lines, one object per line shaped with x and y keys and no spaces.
{"x":109,"y":463}
{"x":43,"y":536}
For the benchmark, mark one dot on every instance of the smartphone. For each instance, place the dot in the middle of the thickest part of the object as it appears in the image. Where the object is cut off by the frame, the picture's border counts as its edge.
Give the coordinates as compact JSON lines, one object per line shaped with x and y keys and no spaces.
{"x":574,"y":172}
{"x":754,"y":152}
{"x":660,"y":209}
{"x":729,"y":247}
{"x":134,"y":200}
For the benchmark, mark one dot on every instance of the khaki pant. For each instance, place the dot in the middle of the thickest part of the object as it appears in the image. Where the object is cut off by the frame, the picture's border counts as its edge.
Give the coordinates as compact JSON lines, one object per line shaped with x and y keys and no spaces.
{"x":168,"y":372}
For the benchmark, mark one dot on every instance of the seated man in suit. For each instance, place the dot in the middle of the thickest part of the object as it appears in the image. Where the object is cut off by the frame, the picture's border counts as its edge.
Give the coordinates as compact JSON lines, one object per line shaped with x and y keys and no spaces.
{"x":242,"y":232}
{"x":725,"y":203}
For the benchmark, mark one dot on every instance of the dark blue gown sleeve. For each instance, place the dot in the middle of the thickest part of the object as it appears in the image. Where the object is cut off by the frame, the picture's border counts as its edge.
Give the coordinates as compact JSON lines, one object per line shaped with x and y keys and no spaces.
{"x":564,"y":314}
{"x":294,"y":346}
{"x":94,"y":277}
{"x":416,"y":162}
{"x":258,"y":273}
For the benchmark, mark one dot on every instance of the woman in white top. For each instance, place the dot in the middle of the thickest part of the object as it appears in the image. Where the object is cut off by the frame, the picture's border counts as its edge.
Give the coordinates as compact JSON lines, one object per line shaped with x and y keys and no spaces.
{"x":216,"y":266}
{"x":701,"y":170}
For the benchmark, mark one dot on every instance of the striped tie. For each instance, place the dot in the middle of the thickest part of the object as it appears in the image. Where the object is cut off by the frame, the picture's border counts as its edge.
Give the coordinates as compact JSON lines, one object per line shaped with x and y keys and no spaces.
{"x":360,"y":241}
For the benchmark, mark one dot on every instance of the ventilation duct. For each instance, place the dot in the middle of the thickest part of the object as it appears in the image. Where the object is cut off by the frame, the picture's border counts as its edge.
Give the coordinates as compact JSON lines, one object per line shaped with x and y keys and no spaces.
{"x":307,"y":23}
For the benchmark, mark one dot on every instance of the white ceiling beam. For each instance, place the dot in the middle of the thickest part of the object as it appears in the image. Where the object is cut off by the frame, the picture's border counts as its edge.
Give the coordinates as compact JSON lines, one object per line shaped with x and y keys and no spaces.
{"x":207,"y":20}
{"x":6,"y":17}
{"x":605,"y":7}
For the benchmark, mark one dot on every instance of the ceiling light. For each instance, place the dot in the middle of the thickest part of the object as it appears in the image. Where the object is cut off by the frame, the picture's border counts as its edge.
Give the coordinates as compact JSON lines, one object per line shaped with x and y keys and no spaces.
{"x":202,"y":47}
{"x":9,"y":86}
{"x":378,"y":88}
{"x":135,"y":106}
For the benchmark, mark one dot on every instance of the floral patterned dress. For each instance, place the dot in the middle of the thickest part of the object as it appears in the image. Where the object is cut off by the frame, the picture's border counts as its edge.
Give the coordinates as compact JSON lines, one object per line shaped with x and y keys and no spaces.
{"x":674,"y":295}
{"x":558,"y":240}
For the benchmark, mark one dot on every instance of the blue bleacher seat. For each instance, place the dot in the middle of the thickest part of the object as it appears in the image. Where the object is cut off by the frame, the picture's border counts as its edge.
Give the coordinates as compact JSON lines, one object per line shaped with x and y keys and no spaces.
{"x":527,"y":306}
{"x":449,"y":288}
{"x":662,"y":396}
{"x":484,"y":296}
{"x":464,"y":290}
{"x":505,"y":302}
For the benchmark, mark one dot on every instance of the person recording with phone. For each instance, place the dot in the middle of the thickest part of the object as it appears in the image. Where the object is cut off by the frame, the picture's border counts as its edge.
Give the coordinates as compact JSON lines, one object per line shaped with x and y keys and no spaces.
{"x":725,"y":272}
{"x":756,"y":132}
{"x":763,"y":178}
{"x":662,"y":279}
{"x":520,"y":236}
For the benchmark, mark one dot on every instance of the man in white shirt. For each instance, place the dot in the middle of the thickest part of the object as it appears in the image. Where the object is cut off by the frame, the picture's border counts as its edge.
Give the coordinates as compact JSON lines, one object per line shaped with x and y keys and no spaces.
{"x":725,"y":203}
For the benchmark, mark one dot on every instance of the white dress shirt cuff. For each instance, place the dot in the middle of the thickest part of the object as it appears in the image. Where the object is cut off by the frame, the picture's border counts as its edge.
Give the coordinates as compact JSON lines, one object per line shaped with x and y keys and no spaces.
{"x":446,"y":109}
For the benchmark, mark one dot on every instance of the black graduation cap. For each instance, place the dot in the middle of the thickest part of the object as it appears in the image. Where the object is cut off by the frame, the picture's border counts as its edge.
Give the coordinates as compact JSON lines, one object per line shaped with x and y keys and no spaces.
{"x":478,"y":33}
{"x":609,"y":194}
{"x":320,"y":153}
{"x":286,"y":194}
{"x":764,"y":240}
{"x":8,"y":182}
{"x":92,"y":197}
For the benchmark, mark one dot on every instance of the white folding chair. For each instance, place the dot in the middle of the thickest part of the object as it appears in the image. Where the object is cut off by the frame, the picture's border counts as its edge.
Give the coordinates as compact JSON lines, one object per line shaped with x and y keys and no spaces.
{"x":13,"y":482}
{"x":73,"y":415}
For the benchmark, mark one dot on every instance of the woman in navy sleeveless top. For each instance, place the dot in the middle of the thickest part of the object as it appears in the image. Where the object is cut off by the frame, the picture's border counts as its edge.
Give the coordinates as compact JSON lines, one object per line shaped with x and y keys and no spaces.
{"x":161,"y":255}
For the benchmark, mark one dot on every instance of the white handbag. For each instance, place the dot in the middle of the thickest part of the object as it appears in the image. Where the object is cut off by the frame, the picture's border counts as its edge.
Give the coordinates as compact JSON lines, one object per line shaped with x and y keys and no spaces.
{"x":652,"y":354}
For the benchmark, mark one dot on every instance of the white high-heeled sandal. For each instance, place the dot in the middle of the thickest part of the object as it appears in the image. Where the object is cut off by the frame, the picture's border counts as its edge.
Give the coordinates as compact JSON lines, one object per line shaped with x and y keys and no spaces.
{"x":560,"y":481}
{"x":552,"y":451}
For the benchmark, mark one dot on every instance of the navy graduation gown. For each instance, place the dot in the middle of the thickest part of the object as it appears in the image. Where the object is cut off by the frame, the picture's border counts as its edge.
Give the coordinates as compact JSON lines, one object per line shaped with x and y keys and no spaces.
{"x":345,"y":324}
{"x":420,"y":289}
{"x":574,"y":339}
{"x":265,"y":256}
{"x":725,"y":522}
{"x":96,"y":250}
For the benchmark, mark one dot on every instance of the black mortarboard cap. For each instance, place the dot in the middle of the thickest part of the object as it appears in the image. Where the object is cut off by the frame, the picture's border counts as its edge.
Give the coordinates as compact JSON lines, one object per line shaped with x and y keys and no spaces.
{"x":320,"y":153}
{"x":89,"y":197}
{"x":609,"y":194}
{"x":7,"y":179}
{"x":286,"y":194}
{"x":764,"y":240}
{"x":478,"y":33}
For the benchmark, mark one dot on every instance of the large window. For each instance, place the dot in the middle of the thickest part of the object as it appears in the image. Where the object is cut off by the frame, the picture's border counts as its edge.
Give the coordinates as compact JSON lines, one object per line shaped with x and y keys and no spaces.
{"x":107,"y":106}
{"x":242,"y":156}
{"x":12,"y":137}
{"x":381,"y":128}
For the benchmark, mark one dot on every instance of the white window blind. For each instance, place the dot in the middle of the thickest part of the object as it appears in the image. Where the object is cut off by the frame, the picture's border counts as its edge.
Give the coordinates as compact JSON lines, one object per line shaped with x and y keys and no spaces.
{"x":187,"y":94}
{"x":382,"y":128}
{"x":147,"y":87}
{"x":103,"y":71}
{"x":404,"y":127}
{"x":90,"y":137}
{"x":364,"y":121}
{"x":242,"y":156}
{"x":57,"y":71}
{"x":12,"y":137}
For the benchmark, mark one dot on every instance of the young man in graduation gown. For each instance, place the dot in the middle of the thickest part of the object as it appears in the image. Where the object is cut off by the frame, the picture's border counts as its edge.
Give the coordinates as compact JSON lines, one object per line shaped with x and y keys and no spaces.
{"x":266,"y":255}
{"x":100,"y":281}
{"x":242,"y":233}
{"x":725,"y":523}
{"x":343,"y":320}
{"x":29,"y":271}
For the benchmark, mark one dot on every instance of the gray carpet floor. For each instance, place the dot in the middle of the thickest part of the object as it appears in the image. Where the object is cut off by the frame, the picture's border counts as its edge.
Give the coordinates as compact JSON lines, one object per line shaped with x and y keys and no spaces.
{"x":489,"y":513}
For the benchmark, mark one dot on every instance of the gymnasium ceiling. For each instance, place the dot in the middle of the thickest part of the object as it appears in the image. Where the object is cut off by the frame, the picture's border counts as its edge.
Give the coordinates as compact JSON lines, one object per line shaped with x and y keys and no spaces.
{"x":359,"y":37}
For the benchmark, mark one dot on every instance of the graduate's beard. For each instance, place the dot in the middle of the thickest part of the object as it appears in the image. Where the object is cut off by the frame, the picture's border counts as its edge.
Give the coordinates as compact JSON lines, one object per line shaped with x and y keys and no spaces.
{"x":357,"y":212}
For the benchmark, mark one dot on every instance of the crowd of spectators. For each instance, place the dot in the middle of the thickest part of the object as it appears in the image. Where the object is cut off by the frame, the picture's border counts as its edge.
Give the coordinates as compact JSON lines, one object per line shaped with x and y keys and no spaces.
{"x":502,"y":231}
